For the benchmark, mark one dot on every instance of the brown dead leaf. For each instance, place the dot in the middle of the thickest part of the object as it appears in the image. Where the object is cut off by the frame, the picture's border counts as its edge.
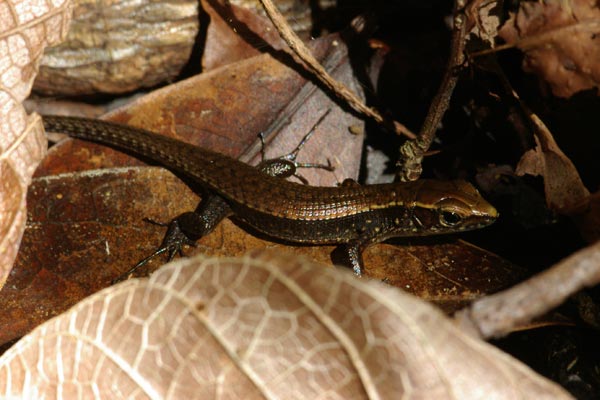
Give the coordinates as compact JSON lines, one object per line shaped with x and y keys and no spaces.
{"x":235,"y":33}
{"x":267,"y":327}
{"x":25,"y":30}
{"x":563,"y":187}
{"x":87,"y":219}
{"x":559,"y":38}
{"x":483,"y":19}
{"x":298,"y":13}
{"x":450,"y":273}
{"x":240,"y":29}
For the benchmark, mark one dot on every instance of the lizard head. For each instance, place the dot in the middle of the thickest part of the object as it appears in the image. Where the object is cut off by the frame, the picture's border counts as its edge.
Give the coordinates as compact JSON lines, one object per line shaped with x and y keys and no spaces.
{"x":451,"y":206}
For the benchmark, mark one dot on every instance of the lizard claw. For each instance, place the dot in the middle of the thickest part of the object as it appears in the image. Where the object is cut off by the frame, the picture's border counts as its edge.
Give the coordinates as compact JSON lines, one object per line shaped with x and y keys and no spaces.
{"x":172,"y":244}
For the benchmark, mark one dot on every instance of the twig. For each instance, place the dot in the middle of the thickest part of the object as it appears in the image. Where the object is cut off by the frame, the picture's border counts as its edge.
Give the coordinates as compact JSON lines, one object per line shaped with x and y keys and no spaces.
{"x":304,"y":54}
{"x":498,"y":314}
{"x":409,"y":166}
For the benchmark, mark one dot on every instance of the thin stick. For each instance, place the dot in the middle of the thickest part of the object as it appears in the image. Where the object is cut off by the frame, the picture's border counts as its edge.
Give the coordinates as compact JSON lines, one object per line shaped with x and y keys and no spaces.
{"x":304,"y":54}
{"x":411,"y":153}
{"x":498,"y":314}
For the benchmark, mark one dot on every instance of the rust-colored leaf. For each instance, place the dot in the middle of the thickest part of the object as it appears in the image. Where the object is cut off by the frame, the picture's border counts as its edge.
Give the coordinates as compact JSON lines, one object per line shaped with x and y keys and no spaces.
{"x":449,"y":273}
{"x":560,"y":42}
{"x":84,"y":219}
{"x":267,"y":327}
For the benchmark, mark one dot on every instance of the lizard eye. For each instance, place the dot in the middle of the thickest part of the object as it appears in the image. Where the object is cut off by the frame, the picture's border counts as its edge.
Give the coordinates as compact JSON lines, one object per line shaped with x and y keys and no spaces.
{"x":449,"y":218}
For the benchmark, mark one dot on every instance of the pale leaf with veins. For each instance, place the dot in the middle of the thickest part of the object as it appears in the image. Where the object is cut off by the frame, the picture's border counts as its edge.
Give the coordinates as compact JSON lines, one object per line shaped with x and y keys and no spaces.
{"x":259,"y":327}
{"x":26,"y":28}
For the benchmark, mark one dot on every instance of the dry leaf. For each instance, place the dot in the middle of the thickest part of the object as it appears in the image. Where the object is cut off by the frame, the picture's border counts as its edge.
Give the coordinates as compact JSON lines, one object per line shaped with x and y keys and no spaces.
{"x":560,"y":41}
{"x":298,"y":13}
{"x":235,"y":33}
{"x":240,"y":29}
{"x":483,"y":19}
{"x":564,"y":189}
{"x":25,"y":30}
{"x":85,"y":219}
{"x":268,"y":327}
{"x":450,"y":273}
